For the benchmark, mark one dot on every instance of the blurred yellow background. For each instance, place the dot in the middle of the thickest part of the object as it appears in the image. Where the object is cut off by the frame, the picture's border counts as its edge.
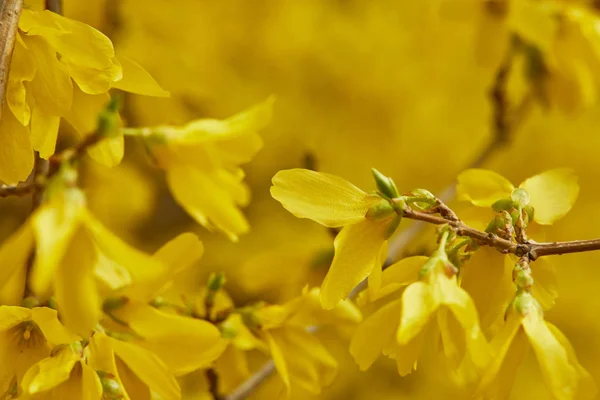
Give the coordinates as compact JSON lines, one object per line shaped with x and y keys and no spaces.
{"x":359,"y":84}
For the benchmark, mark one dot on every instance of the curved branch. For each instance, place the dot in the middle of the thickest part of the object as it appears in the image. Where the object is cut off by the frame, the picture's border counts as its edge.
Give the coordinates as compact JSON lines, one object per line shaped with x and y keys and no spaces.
{"x":10,"y":12}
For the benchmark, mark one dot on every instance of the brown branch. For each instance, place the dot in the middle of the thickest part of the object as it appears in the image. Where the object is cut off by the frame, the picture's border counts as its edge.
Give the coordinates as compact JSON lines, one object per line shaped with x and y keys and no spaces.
{"x":54,"y":6}
{"x":10,"y":12}
{"x":558,"y":248}
{"x":246,"y":388}
{"x":77,"y":151}
{"x":18,"y":190}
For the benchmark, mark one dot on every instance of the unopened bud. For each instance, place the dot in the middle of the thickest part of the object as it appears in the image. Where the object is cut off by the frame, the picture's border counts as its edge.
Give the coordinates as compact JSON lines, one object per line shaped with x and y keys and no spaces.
{"x":525,"y":303}
{"x":30,"y":302}
{"x":520,"y":197}
{"x":380,"y":211}
{"x":385,"y":185}
{"x":111,"y":389}
{"x":503,"y":205}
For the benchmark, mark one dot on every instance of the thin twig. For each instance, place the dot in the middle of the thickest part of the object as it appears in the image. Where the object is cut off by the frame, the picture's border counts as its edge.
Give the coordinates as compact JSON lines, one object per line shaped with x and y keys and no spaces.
{"x":18,"y":190}
{"x":77,"y":151}
{"x":10,"y":12}
{"x":246,"y":388}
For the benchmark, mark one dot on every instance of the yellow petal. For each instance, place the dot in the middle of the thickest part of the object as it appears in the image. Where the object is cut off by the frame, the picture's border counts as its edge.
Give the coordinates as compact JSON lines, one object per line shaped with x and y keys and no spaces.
{"x":324,"y":198}
{"x":148,"y":368}
{"x":205,"y":200}
{"x":418,"y":305}
{"x":54,"y":332}
{"x":463,"y":308}
{"x":22,"y":70}
{"x":399,"y":275}
{"x":54,"y":227}
{"x":16,"y":154}
{"x":141,"y":266}
{"x":309,"y":311}
{"x":586,"y":388}
{"x":545,"y":285}
{"x":183,"y":344}
{"x":51,"y":87}
{"x":407,"y":354}
{"x":109,"y":151}
{"x":12,"y":315}
{"x":137,"y":80}
{"x":534,"y":22}
{"x":232,"y":369}
{"x":509,"y":348}
{"x":83,"y":116}
{"x":552,"y":193}
{"x":374,"y":333}
{"x":44,"y":131}
{"x":278,"y":359}
{"x":75,"y":286}
{"x":357,"y":247}
{"x":482,"y":187}
{"x":559,"y":374}
{"x":91,"y":387}
{"x":14,"y":255}
{"x":50,"y":372}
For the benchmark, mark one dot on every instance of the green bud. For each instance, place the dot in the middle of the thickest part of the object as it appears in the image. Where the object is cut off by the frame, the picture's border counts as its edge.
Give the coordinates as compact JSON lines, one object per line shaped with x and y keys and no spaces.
{"x":520,"y":197}
{"x":393,"y":226}
{"x":503,"y":205}
{"x":523,"y":279}
{"x":111,"y":390}
{"x":30,"y":302}
{"x":385,"y":184}
{"x":228,"y":331}
{"x":380,"y":210}
{"x":524,"y":303}
{"x":114,"y":303}
{"x":216,"y":281}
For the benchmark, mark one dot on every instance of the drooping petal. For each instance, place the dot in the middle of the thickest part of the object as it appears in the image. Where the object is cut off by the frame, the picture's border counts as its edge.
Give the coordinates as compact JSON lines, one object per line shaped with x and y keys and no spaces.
{"x":16,"y":154}
{"x":54,"y":332}
{"x":183,"y":344}
{"x":22,"y":70}
{"x":14,"y":254}
{"x":545,"y":282}
{"x":309,"y":311}
{"x":559,"y":374}
{"x":51,"y":87}
{"x":278,"y":359}
{"x":232,"y":369}
{"x":148,"y":368}
{"x":137,"y":80}
{"x":418,"y":305}
{"x":109,"y":151}
{"x":357,"y":246}
{"x":482,"y":187}
{"x":372,"y":335}
{"x":552,"y":193}
{"x":399,"y":275}
{"x":50,"y":372}
{"x":509,"y":348}
{"x":44,"y":131}
{"x":205,"y":200}
{"x":324,"y":198}
{"x":586,"y":388}
{"x":91,"y":387}
{"x":83,"y":116}
{"x":75,"y":286}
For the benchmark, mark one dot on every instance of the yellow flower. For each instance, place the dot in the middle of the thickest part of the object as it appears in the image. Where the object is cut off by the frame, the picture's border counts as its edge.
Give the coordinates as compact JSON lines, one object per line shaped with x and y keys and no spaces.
{"x":183,"y":343}
{"x":26,"y":337}
{"x":437,"y":302}
{"x":202,"y":163}
{"x":65,"y":374}
{"x":551,"y":193}
{"x":525,"y":326}
{"x":335,"y":202}
{"x":76,"y":256}
{"x":300,"y":359}
{"x":129,"y":371}
{"x":61,"y":68}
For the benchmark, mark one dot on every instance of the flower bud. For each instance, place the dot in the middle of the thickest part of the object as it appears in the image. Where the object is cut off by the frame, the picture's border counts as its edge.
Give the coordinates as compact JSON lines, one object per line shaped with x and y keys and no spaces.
{"x":503,"y":205}
{"x":380,"y":211}
{"x":385,"y":184}
{"x":520,"y":197}
{"x":111,"y":389}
